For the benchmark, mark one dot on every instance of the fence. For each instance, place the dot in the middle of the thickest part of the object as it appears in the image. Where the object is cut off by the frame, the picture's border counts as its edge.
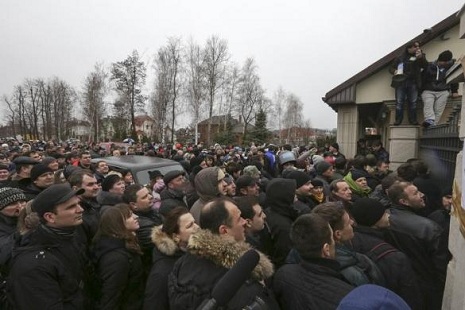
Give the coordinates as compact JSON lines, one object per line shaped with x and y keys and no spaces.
{"x":439,"y":146}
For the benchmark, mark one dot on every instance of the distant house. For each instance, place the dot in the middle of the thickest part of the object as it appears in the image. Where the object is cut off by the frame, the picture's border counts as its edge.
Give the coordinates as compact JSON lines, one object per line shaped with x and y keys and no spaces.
{"x":218,"y":125}
{"x":365,"y":103}
{"x":79,"y":129}
{"x":145,"y":126}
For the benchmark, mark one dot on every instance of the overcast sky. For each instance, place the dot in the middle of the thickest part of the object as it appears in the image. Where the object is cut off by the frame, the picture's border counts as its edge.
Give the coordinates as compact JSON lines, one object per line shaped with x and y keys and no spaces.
{"x":307,"y":47}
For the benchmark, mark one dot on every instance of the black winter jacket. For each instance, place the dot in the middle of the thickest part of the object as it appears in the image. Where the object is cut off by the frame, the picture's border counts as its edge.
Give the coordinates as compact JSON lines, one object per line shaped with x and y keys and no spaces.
{"x":47,"y":273}
{"x":147,"y":221}
{"x":280,"y":215}
{"x":434,"y":78}
{"x":312,"y":284}
{"x":120,"y":275}
{"x":165,"y":254}
{"x":394,"y":265}
{"x":419,"y":238}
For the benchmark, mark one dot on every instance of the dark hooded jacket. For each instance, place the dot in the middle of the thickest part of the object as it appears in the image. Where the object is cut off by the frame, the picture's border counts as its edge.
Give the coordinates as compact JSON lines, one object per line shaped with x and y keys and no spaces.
{"x":120,"y":275}
{"x":209,"y":257}
{"x":7,"y":238}
{"x":395,"y":265}
{"x":206,"y":185}
{"x":90,"y":217}
{"x":165,"y":254}
{"x":47,"y":273}
{"x":312,"y":284}
{"x":280,"y":214}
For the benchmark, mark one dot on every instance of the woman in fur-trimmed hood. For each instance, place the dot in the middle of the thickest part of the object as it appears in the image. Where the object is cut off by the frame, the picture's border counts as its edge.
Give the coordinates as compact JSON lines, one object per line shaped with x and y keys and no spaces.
{"x":170,"y":240}
{"x":209,"y":256}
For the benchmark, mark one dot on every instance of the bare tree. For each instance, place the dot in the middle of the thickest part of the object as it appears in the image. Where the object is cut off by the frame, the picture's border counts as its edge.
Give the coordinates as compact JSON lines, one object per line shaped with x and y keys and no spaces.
{"x":250,"y":94}
{"x":167,"y":85}
{"x":293,"y":116}
{"x":129,"y":76}
{"x":216,"y":58}
{"x":279,"y":99}
{"x":196,"y":82}
{"x":230,"y":90}
{"x":93,"y":92}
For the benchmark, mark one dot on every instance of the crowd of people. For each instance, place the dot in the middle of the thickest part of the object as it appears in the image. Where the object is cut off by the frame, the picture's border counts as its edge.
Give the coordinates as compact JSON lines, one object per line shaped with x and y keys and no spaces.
{"x":331,"y":232}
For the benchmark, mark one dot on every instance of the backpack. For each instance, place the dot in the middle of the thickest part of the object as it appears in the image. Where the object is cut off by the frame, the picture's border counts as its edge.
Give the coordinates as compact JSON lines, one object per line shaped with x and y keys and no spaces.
{"x":379,"y":251}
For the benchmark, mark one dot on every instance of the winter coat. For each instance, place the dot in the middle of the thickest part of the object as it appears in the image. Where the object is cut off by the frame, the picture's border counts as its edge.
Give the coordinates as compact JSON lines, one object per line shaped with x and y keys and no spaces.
{"x":393,"y":264}
{"x":107,"y":200}
{"x":170,"y":199}
{"x":312,"y":284}
{"x":165,"y":254}
{"x":280,"y":214}
{"x":147,"y":221}
{"x":209,"y":257}
{"x":431,"y":189}
{"x":357,"y":268}
{"x":434,"y":78}
{"x":419,"y":238}
{"x":7,"y":238}
{"x":90,"y":217}
{"x":47,"y":273}
{"x":380,"y":195}
{"x":206,"y":185}
{"x":120,"y":275}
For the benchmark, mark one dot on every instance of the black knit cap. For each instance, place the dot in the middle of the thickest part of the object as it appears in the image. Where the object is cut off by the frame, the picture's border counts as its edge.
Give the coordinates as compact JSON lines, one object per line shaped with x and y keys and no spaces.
{"x":154,"y":174}
{"x":301,"y":178}
{"x":9,"y":195}
{"x":38,"y":170}
{"x":321,"y":167}
{"x":367,"y":211}
{"x":445,"y":56}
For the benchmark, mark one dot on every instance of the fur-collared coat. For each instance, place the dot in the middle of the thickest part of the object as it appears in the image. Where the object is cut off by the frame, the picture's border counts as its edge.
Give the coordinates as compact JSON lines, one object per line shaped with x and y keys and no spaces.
{"x":165,"y":254}
{"x":209,"y":257}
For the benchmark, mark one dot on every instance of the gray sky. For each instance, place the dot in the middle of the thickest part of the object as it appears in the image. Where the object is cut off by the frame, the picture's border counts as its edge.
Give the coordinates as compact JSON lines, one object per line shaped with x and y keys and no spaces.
{"x":307,"y":47}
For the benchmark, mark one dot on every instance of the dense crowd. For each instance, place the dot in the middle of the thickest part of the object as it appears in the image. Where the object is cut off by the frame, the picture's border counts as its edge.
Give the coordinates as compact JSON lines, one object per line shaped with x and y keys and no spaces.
{"x":330,"y":232}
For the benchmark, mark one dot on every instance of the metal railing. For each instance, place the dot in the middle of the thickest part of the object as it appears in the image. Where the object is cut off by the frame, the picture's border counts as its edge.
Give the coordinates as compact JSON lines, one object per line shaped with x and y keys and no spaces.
{"x":439,"y":146}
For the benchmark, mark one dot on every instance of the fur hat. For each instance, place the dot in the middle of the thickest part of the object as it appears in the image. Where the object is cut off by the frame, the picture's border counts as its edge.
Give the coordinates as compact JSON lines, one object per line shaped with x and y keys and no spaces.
{"x":321,"y":167}
{"x":9,"y":195}
{"x":109,"y":181}
{"x":38,"y":170}
{"x":301,"y":178}
{"x":367,"y":211}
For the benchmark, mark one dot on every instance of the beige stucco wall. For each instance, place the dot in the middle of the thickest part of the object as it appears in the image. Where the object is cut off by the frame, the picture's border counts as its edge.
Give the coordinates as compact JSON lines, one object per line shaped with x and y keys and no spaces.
{"x":377,"y":87}
{"x":347,"y":126}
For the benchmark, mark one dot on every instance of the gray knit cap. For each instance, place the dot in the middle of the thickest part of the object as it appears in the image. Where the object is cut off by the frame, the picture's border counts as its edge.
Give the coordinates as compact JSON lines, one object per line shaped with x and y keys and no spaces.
{"x":9,"y":195}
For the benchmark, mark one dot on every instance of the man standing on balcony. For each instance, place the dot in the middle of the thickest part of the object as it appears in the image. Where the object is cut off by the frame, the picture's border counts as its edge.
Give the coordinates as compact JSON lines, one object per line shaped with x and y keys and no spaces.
{"x":435,"y":88}
{"x":406,"y":80}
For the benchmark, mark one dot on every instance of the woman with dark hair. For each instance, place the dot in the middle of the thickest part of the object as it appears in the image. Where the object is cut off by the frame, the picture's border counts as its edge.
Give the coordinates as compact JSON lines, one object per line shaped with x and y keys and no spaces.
{"x":118,"y":259}
{"x":170,"y":241}
{"x":113,"y":187}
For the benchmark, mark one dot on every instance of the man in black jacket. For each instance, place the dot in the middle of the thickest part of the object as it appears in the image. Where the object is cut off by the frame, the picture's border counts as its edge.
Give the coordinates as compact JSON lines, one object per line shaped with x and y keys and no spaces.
{"x":211,"y":251}
{"x":48,"y":272}
{"x":173,"y":195}
{"x":435,"y":88}
{"x":315,"y":283}
{"x":419,"y":238}
{"x":140,"y":201}
{"x":408,"y":66}
{"x":372,"y":221}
